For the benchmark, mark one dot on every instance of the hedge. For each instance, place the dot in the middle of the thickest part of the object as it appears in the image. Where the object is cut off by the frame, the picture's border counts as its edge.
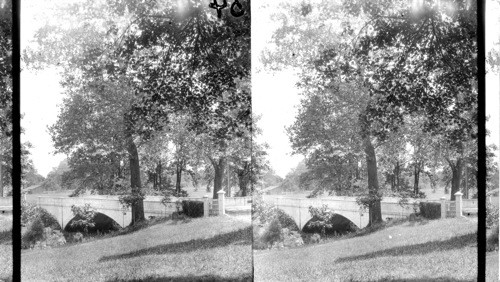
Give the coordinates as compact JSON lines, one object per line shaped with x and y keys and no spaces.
{"x":192,"y":208}
{"x":430,"y":210}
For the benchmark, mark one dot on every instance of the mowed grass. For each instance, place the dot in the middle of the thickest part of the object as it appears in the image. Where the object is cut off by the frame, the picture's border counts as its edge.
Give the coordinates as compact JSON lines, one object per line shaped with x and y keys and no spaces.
{"x":437,"y":250}
{"x":5,"y":247}
{"x":492,"y":266}
{"x":215,"y":248}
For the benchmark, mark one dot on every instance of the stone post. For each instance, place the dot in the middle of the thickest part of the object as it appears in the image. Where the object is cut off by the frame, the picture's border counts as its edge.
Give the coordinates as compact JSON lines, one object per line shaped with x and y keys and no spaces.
{"x":222,"y":209}
{"x":206,"y":206}
{"x":443,"y":207}
{"x":458,"y":203}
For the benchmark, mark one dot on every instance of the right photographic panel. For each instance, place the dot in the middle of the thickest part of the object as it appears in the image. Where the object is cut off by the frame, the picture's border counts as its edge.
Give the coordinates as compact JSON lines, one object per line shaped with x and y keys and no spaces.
{"x":368,"y":112}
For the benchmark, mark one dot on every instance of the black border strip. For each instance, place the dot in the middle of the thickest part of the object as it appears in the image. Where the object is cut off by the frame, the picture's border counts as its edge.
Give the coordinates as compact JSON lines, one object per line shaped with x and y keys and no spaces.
{"x":481,"y":177}
{"x":16,"y":143}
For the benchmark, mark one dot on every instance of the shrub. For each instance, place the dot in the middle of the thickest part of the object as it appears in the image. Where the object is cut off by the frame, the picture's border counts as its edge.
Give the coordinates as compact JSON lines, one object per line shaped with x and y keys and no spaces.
{"x":30,"y":212}
{"x":192,"y":208}
{"x":83,"y":217}
{"x":47,"y":219}
{"x":285,"y":220}
{"x":33,"y":233}
{"x":491,"y":215}
{"x":273,"y":232}
{"x":322,"y":218}
{"x":430,"y":210}
{"x":492,"y":242}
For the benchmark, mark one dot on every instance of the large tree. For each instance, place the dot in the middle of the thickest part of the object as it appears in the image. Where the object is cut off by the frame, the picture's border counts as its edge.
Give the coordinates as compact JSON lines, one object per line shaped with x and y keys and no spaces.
{"x":5,"y":88}
{"x":408,"y":60}
{"x":419,"y":59}
{"x":171,"y":56}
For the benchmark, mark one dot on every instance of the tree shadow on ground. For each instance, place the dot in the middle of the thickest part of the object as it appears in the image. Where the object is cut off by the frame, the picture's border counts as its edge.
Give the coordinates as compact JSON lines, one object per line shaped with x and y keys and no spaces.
{"x":240,"y":237}
{"x":6,"y":237}
{"x":179,"y":221}
{"x":242,"y":278}
{"x":387,"y":224}
{"x":456,"y":242}
{"x":424,"y":279}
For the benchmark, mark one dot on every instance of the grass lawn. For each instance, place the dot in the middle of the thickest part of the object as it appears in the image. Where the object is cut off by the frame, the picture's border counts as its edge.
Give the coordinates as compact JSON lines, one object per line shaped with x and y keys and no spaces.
{"x":215,"y":248}
{"x":442,"y":250}
{"x":492,"y":266}
{"x":5,"y":247}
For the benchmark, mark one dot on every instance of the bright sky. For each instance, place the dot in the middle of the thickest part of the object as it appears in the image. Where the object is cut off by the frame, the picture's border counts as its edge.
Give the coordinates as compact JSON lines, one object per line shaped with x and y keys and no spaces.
{"x":274,"y":96}
{"x":40,"y":95}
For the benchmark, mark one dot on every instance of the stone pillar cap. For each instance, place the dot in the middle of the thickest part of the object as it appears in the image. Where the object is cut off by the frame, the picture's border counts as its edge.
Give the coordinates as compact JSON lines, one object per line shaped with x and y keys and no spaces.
{"x":221,"y":192}
{"x":458,"y":193}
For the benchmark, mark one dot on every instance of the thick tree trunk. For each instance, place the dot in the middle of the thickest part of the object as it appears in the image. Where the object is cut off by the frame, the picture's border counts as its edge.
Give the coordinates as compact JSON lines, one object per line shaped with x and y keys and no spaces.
{"x":159,"y":169}
{"x":178,"y":176}
{"x":243,"y":182}
{"x":397,"y":175}
{"x":455,"y":180}
{"x":135,"y":179}
{"x":375,"y":211}
{"x":1,"y":176}
{"x":219,"y":166}
{"x":416,"y":177}
{"x":465,"y":182}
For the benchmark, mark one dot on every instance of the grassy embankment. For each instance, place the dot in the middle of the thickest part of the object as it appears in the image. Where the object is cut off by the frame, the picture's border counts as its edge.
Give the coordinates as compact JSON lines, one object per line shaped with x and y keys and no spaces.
{"x":215,"y":248}
{"x":443,"y":250}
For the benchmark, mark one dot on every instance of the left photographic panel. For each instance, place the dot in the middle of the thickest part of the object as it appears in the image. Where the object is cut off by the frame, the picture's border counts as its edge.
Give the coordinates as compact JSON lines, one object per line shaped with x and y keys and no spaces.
{"x":137,"y":133}
{"x":5,"y":140}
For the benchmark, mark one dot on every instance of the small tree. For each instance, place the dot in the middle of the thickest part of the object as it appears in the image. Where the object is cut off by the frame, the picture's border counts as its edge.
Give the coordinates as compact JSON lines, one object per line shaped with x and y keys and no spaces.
{"x":322,"y":217}
{"x":83,"y":217}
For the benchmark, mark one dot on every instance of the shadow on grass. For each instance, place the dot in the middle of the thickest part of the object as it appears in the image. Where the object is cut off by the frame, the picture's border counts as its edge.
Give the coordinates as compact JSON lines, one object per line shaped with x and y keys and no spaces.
{"x":138,"y":226}
{"x":386,"y":224}
{"x":180,"y":221}
{"x":425,"y":279}
{"x":457,"y":242}
{"x":6,"y":237}
{"x":247,"y":277}
{"x":240,"y":237}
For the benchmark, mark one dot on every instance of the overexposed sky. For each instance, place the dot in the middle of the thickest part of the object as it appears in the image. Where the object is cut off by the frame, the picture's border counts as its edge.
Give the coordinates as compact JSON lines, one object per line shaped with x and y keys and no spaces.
{"x":40,"y":92}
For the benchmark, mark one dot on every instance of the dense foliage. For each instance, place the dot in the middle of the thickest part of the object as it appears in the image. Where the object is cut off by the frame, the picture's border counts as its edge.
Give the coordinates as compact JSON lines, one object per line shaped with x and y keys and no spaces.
{"x":192,"y":208}
{"x":386,"y":86}
{"x":83,"y":217}
{"x":430,"y":210}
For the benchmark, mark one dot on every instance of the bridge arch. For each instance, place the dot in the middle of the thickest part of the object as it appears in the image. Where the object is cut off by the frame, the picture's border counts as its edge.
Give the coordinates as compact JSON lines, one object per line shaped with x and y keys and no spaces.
{"x":340,"y":223}
{"x":103,"y":223}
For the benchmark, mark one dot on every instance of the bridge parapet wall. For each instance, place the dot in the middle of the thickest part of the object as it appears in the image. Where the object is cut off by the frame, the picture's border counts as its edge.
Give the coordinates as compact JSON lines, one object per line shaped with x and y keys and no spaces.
{"x":298,"y":208}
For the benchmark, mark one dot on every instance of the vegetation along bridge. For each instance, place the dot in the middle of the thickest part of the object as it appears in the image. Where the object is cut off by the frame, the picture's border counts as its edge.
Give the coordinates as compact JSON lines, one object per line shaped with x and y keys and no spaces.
{"x":298,"y":208}
{"x":60,"y":206}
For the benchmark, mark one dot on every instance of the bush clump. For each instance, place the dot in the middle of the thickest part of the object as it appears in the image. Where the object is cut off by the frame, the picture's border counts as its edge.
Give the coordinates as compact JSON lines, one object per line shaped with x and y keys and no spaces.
{"x":491,"y":215}
{"x":34,"y":233}
{"x":492,"y":241}
{"x":35,"y":219}
{"x":192,"y":208}
{"x":269,"y":223}
{"x":430,"y":210}
{"x":84,"y":217}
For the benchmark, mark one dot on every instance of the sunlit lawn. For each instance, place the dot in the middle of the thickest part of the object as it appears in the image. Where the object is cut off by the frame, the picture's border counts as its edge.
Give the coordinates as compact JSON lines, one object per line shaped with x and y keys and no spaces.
{"x":216,"y":248}
{"x":492,"y":266}
{"x":5,"y":247}
{"x":440,"y":250}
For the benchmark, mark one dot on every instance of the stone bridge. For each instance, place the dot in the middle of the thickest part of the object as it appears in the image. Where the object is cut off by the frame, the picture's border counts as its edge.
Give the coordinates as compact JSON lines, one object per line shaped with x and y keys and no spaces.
{"x":298,"y":208}
{"x":60,"y":206}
